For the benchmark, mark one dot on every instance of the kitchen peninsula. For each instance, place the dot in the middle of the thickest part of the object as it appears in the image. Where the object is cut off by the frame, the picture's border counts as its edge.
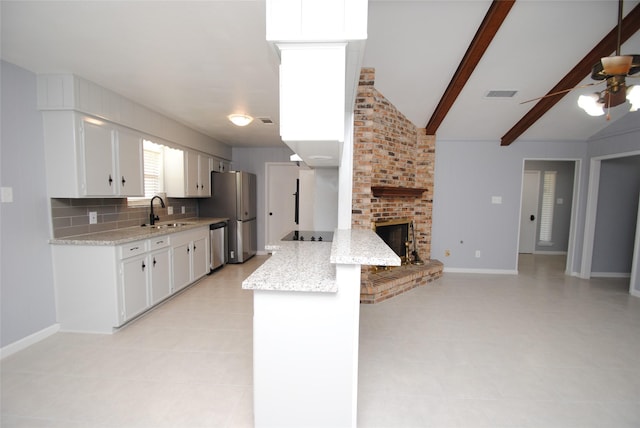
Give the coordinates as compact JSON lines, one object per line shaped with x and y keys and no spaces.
{"x":305,"y":329}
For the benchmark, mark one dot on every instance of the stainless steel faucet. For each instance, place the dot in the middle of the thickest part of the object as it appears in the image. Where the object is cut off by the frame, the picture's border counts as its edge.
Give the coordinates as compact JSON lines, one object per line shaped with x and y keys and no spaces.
{"x":152,"y":216}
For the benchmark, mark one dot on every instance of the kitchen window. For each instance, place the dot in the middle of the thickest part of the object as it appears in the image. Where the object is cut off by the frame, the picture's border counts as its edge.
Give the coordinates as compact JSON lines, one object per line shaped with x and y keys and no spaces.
{"x":153,"y":172}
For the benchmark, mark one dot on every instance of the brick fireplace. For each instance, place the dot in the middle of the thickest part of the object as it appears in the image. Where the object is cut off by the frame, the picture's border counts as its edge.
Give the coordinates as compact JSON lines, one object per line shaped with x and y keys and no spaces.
{"x":393,"y":163}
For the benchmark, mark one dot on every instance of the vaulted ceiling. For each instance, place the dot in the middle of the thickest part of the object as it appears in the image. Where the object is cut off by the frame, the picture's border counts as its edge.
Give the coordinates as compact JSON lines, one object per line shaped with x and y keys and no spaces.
{"x":198,"y":61}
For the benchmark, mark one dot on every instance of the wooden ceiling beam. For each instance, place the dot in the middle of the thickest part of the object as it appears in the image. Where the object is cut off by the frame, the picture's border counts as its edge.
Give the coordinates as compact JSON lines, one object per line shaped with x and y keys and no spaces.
{"x":630,"y":25}
{"x":491,"y":23}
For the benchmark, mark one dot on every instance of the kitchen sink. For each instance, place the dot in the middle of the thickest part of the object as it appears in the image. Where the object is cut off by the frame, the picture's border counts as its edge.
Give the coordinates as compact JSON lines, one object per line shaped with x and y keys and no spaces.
{"x":166,"y":225}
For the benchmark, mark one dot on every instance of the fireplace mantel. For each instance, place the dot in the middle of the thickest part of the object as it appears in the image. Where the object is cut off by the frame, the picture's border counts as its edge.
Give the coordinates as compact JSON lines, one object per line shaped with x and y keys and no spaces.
{"x":389,"y":191}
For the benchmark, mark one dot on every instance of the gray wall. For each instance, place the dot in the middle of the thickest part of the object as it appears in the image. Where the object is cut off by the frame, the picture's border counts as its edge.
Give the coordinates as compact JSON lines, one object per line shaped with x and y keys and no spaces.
{"x":617,"y":215}
{"x":467,"y":175}
{"x":28,"y":302}
{"x":561,"y":212}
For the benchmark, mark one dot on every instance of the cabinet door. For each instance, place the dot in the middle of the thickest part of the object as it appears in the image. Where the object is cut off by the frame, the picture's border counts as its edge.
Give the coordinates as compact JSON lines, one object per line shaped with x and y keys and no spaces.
{"x":204,"y":170}
{"x":160,"y":278}
{"x":99,"y":170}
{"x":130,"y":164}
{"x":192,"y":186}
{"x":181,"y":266}
{"x":200,"y":258}
{"x":134,"y":286}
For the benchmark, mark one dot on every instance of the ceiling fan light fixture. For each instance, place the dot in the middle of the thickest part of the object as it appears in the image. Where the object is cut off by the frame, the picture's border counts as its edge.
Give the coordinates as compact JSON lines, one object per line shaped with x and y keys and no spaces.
{"x":617,"y":65}
{"x":633,"y":96}
{"x":240,"y":119}
{"x":591,"y":104}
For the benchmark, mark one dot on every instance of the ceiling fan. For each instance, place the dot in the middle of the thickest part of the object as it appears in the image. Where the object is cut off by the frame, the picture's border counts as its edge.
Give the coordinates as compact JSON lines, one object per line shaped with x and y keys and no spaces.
{"x":612,"y":70}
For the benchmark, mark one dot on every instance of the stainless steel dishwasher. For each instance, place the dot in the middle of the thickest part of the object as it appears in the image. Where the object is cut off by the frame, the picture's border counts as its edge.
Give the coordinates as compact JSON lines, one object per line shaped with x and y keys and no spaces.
{"x":219,"y":245}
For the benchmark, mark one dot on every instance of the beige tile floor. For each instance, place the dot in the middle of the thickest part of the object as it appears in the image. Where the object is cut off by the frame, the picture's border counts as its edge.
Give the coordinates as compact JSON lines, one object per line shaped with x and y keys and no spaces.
{"x":535,"y":350}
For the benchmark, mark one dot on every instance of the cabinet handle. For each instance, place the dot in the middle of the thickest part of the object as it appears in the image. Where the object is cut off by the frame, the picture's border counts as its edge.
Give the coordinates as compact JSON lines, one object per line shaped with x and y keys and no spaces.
{"x":123,"y":180}
{"x":133,"y":248}
{"x":143,"y":266}
{"x":194,"y":247}
{"x":188,"y":249}
{"x":154,"y":262}
{"x":159,"y":242}
{"x":110,"y":180}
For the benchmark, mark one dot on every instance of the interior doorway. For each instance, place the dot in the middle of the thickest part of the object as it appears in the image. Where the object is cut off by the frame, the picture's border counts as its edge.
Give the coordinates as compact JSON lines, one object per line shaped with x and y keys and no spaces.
{"x":611,"y":243}
{"x":547,"y":213}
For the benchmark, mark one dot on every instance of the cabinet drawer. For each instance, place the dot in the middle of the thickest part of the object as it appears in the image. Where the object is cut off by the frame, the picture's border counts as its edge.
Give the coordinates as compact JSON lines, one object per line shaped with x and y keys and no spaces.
{"x":158,"y":242}
{"x":132,"y":249}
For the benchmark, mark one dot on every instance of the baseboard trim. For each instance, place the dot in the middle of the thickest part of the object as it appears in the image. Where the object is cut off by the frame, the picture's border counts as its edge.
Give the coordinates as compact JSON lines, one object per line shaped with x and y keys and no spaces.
{"x":481,"y":271}
{"x":610,"y":274}
{"x":25,"y":342}
{"x":550,"y":253}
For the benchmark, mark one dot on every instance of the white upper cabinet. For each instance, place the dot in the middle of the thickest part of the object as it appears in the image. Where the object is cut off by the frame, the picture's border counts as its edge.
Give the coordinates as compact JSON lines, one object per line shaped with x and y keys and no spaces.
{"x":130,"y":163}
{"x":187,"y":173}
{"x":220,"y":165}
{"x":88,"y":157}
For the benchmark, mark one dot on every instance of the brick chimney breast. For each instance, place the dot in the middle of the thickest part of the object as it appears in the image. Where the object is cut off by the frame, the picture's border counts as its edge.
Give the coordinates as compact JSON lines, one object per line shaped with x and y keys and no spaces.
{"x":391,"y":151}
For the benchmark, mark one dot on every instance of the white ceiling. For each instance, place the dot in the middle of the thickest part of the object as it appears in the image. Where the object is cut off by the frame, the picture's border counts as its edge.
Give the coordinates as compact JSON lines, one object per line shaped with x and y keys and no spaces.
{"x":199,"y":61}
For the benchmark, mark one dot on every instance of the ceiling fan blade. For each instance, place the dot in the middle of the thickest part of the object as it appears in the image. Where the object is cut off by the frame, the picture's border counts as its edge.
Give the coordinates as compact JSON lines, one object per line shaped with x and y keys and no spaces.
{"x":564,"y":91}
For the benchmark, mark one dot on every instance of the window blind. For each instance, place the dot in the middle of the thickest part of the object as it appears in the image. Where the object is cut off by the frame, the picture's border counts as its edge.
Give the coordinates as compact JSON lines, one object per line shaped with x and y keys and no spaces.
{"x":152,"y":169}
{"x":548,"y":198}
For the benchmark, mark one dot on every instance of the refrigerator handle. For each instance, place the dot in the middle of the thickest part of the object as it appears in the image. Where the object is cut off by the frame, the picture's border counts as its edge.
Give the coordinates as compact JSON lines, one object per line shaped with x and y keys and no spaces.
{"x":297,"y":195}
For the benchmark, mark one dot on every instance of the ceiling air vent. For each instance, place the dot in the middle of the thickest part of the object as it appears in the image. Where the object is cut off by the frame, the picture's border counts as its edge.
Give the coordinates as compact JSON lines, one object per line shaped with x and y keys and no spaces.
{"x":500,"y":94}
{"x":265,"y":120}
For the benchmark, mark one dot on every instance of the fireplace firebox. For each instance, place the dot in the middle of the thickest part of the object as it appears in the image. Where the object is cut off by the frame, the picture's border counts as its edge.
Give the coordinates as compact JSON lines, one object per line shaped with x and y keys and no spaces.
{"x":395,"y":233}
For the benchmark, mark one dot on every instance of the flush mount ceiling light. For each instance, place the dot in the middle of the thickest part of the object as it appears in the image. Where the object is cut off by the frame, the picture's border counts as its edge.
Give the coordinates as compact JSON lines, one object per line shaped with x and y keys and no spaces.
{"x":240,"y":119}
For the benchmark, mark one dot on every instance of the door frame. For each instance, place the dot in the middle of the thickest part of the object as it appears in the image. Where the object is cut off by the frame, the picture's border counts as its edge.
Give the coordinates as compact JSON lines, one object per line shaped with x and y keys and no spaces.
{"x":575,"y":200}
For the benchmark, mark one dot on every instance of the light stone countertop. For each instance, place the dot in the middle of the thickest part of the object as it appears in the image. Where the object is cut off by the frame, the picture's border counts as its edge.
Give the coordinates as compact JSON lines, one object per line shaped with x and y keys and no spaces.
{"x":136,"y":233}
{"x":310,"y":266}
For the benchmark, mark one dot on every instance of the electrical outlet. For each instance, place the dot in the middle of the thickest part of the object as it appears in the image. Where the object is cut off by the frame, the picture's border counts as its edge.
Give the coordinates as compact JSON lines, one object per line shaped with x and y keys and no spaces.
{"x":93,"y":217}
{"x":447,"y":253}
{"x":477,"y":253}
{"x":169,"y":210}
{"x":184,"y":210}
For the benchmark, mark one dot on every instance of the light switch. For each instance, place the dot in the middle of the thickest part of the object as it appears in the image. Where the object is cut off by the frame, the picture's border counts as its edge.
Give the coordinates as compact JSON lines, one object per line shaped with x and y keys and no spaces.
{"x":559,"y":201}
{"x":496,"y":199}
{"x":169,"y":210}
{"x":6,"y":194}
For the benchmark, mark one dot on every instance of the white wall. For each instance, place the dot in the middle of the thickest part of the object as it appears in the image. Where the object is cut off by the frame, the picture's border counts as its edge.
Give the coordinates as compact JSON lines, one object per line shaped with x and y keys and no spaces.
{"x":28,"y":303}
{"x":467,"y":175}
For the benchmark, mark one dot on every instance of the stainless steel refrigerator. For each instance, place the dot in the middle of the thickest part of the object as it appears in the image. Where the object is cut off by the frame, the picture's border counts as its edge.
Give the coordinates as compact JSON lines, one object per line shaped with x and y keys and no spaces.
{"x":233,"y":195}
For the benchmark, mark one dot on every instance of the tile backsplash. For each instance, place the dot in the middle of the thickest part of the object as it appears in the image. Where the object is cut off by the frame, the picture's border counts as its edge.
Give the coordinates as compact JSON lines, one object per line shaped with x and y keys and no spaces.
{"x":71,"y":216}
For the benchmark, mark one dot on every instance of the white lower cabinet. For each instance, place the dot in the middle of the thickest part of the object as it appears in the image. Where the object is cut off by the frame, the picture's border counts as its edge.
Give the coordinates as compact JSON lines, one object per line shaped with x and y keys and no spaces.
{"x":190,"y":253}
{"x":135,"y":295}
{"x":160,"y":275}
{"x":102,"y":287}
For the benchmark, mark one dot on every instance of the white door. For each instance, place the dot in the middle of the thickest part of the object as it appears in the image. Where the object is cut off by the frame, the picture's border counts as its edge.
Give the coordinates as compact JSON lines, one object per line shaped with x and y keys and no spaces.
{"x":529,"y":212}
{"x":281,"y":189}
